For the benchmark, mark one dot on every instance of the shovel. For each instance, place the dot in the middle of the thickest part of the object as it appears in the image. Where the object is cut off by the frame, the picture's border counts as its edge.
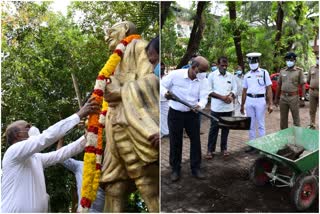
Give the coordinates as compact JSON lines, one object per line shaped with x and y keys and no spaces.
{"x":235,"y":123}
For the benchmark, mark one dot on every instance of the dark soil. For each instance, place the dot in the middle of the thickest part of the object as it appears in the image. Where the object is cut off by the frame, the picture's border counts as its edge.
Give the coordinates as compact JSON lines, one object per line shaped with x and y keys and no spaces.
{"x":226,"y":190}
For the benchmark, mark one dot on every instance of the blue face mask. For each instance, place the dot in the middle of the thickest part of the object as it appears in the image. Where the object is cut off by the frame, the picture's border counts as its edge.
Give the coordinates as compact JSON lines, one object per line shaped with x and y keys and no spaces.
{"x":238,"y":72}
{"x":290,"y":64}
{"x":213,"y":68}
{"x":156,"y":70}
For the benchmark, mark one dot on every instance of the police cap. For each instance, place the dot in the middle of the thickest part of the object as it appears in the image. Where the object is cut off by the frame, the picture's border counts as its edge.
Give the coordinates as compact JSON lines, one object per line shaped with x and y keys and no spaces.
{"x":290,"y":55}
{"x":253,"y":57}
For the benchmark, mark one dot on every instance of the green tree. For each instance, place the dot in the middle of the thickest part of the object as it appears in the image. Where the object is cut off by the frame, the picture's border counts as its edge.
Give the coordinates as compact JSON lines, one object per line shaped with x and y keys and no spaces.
{"x":40,"y":51}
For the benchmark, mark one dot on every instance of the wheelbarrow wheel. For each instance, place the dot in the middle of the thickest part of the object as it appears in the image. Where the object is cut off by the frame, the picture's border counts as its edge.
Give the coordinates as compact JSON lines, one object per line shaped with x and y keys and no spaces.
{"x":257,"y":171}
{"x":304,"y":192}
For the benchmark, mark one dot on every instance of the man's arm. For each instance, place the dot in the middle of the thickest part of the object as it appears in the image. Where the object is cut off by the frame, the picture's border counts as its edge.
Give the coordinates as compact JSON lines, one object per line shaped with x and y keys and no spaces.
{"x":166,"y":84}
{"x":243,"y":100}
{"x":34,"y":144}
{"x":203,"y":94}
{"x":302,"y":83}
{"x":64,"y":153}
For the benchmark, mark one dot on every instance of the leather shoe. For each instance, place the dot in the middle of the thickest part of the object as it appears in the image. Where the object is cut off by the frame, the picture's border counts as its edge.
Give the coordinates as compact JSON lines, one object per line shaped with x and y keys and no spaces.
{"x":199,"y":175}
{"x":174,"y":176}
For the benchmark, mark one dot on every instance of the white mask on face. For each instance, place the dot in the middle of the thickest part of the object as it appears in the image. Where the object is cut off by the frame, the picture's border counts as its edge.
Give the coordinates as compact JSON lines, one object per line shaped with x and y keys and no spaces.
{"x":201,"y":76}
{"x":254,"y":66}
{"x":290,"y":64}
{"x":33,"y":131}
{"x":317,"y":62}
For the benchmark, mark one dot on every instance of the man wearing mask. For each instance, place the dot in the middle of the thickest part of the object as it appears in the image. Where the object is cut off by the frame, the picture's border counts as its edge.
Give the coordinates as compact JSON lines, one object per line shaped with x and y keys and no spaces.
{"x":222,"y":90}
{"x":213,"y":67}
{"x":239,"y":79}
{"x":313,"y":80}
{"x":287,"y":91}
{"x":256,"y":85}
{"x":23,"y":182}
{"x":191,"y":86}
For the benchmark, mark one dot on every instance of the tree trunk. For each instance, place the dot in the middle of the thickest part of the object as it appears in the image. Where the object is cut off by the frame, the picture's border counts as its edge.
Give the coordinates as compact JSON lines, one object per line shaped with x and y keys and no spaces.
{"x":236,"y":33}
{"x":279,"y":22}
{"x":165,"y":8}
{"x":195,"y":36}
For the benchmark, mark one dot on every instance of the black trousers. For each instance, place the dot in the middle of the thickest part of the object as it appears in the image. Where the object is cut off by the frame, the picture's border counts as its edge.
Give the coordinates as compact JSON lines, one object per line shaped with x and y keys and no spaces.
{"x":177,"y":121}
{"x":214,"y":131}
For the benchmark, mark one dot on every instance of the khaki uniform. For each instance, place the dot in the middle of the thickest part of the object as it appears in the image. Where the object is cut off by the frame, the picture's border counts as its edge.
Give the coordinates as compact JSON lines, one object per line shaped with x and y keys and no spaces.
{"x":313,"y":79}
{"x":290,"y":79}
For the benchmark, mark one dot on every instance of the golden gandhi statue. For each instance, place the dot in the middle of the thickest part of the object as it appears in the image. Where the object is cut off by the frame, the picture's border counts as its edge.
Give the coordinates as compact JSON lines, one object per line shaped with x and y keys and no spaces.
{"x":130,"y":159}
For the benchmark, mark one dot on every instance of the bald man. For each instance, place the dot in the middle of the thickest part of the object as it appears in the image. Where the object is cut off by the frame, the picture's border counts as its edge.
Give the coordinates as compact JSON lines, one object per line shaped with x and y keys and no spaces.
{"x":191,"y":86}
{"x":23,"y":182}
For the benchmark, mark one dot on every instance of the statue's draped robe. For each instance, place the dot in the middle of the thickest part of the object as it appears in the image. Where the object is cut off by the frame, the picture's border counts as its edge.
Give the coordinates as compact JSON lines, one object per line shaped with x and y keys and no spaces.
{"x":133,"y":120}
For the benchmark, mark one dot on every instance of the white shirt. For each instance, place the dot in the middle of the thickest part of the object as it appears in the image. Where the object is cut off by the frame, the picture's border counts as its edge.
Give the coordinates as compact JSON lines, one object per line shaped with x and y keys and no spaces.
{"x":239,"y":81}
{"x":194,"y":92}
{"x":76,"y":167}
{"x":254,"y":82}
{"x":23,"y":183}
{"x":222,"y":85}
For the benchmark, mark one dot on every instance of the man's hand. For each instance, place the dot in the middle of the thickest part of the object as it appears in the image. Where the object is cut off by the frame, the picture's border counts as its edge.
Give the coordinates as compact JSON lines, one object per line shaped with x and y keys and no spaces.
{"x":155,"y":140}
{"x":90,"y":107}
{"x":196,"y":108}
{"x":227,"y":99}
{"x":60,"y":143}
{"x":242,"y":109}
{"x":270,"y":109}
{"x":168,"y":96}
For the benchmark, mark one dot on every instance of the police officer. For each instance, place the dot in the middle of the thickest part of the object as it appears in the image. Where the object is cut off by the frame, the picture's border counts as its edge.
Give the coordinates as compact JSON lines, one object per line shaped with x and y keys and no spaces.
{"x":289,"y":80}
{"x":256,"y":83}
{"x":313,"y":80}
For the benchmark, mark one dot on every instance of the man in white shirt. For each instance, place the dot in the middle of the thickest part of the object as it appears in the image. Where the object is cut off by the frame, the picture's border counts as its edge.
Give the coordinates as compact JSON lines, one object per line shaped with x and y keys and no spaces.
{"x":191,"y":86}
{"x":23,"y":183}
{"x":222,"y":88}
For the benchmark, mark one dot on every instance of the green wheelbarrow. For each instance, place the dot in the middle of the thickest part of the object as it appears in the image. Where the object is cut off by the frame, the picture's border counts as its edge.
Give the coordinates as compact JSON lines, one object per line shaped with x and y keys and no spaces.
{"x":301,"y":174}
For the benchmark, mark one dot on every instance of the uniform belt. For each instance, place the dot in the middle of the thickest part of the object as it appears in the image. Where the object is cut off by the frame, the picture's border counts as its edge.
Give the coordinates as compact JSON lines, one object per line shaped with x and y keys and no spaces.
{"x":316,"y":89}
{"x":288,"y":94}
{"x":255,"y":95}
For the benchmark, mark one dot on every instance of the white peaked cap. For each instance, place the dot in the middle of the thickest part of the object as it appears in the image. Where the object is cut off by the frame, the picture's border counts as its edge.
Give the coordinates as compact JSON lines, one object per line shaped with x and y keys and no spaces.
{"x":254,"y":54}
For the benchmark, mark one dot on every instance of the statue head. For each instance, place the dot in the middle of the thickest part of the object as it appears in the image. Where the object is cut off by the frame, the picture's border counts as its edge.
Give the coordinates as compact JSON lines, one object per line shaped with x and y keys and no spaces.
{"x":118,"y":32}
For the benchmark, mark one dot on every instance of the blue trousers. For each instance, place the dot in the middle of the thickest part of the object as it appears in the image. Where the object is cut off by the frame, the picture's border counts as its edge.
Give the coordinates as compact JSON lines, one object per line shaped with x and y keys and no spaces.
{"x":214,"y":131}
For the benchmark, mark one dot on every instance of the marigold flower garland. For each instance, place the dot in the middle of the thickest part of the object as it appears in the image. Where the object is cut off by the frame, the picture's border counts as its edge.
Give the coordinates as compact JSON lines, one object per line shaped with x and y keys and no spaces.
{"x":93,"y":149}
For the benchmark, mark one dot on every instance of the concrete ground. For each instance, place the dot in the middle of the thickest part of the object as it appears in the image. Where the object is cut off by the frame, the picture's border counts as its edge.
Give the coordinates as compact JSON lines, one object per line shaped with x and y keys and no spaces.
{"x":227,"y":187}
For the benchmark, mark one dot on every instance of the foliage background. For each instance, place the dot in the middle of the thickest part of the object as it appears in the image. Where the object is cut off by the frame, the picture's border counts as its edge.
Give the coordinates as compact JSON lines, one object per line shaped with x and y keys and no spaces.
{"x":40,"y":49}
{"x":256,"y":21}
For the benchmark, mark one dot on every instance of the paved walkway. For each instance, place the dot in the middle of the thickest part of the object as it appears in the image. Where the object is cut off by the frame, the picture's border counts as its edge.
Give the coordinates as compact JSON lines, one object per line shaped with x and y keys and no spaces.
{"x":224,"y":176}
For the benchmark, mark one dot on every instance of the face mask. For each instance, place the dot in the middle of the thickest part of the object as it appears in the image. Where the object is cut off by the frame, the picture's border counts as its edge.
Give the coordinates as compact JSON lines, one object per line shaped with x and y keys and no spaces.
{"x":238,"y":72}
{"x":222,"y":71}
{"x":317,"y":62}
{"x":290,"y":64}
{"x":213,"y":68}
{"x":201,"y":76}
{"x":156,"y":70}
{"x":254,"y":66}
{"x":33,"y":131}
